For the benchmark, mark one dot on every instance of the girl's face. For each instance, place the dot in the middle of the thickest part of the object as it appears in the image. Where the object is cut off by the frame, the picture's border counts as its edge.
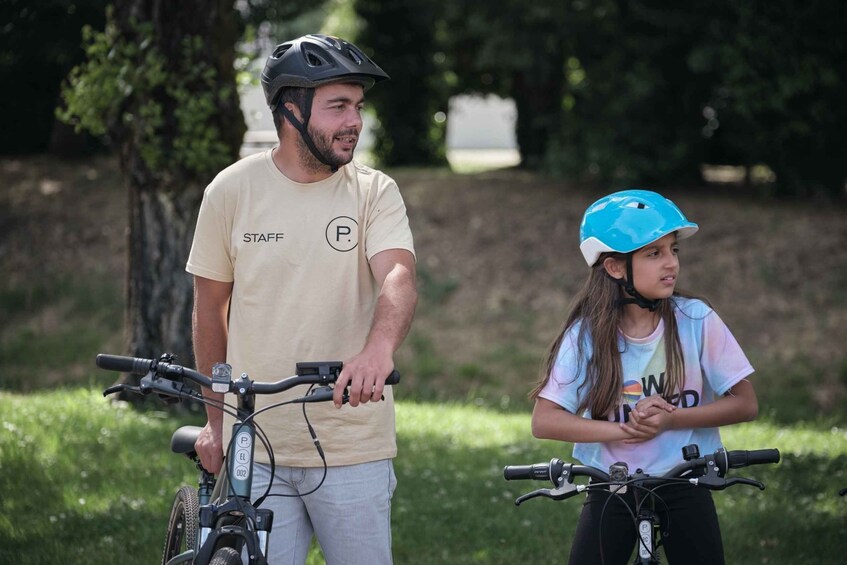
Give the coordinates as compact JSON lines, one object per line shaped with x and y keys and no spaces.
{"x":655,"y":268}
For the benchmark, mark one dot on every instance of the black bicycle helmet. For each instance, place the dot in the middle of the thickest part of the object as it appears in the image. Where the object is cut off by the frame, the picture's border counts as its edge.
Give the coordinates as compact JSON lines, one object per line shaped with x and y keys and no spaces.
{"x":313,"y":60}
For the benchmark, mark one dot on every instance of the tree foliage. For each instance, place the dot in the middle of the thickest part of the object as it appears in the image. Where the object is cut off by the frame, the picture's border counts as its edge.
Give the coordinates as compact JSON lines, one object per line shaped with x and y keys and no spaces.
{"x":167,"y":109}
{"x":629,"y":91}
{"x":655,"y":91}
{"x":514,"y":50}
{"x":780,"y":72}
{"x":400,"y":36}
{"x":39,"y":44}
{"x":160,"y":83}
{"x":633,"y":106}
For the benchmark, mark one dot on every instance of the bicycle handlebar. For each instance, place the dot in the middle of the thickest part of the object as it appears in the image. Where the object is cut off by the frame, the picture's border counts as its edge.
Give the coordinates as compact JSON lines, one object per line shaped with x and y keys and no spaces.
{"x":551,"y":471}
{"x":173,"y":374}
{"x":121,"y":364}
{"x":723,"y":460}
{"x":738,"y":459}
{"x":708,"y":472}
{"x":537,"y":472}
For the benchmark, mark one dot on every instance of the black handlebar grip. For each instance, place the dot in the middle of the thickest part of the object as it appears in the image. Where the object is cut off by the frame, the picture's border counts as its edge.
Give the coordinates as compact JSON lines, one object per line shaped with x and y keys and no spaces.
{"x":393,"y":378}
{"x":123,"y":364}
{"x":755,"y":457}
{"x":538,"y":472}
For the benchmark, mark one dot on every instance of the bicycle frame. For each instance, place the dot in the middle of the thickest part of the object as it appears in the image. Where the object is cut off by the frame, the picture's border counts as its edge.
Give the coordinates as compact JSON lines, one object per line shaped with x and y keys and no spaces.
{"x":237,"y":479}
{"x":228,"y":517}
{"x":222,"y":512}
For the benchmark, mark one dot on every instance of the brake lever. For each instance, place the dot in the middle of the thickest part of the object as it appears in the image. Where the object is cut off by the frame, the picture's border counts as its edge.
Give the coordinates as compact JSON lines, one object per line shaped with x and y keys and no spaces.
{"x":743,"y":481}
{"x":113,"y":389}
{"x":559,"y":493}
{"x":167,"y":390}
{"x":324,"y":393}
{"x":540,"y":492}
{"x":345,"y":396}
{"x":319,"y":394}
{"x":121,"y":388}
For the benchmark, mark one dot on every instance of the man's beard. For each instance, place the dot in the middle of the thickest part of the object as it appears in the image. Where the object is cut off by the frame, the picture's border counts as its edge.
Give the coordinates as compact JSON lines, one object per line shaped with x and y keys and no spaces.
{"x":323,"y":143}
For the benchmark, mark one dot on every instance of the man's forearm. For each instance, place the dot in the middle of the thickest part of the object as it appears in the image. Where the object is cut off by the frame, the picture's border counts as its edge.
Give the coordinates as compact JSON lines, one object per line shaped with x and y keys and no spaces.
{"x":210,"y":332}
{"x":210,"y":348}
{"x":394,"y":310}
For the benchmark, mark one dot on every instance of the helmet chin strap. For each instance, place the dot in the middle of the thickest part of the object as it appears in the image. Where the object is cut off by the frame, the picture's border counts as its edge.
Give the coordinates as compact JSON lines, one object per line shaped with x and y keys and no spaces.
{"x":629,"y":286}
{"x":302,"y":127}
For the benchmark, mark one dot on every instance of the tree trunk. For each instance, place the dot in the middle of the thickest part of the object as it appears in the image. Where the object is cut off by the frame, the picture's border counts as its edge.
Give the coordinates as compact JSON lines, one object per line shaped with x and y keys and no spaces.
{"x":158,"y":289}
{"x":538,"y":95}
{"x":163,"y":201}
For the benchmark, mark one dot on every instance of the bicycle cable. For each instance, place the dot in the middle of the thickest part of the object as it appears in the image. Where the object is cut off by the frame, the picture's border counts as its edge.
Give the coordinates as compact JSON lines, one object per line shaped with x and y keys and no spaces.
{"x":272,"y":459}
{"x":670,"y":481}
{"x":231,"y":410}
{"x":612,"y":494}
{"x":650,"y":495}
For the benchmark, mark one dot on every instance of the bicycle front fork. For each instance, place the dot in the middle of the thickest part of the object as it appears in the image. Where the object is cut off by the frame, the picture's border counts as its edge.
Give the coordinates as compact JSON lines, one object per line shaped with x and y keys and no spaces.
{"x":216,"y":525}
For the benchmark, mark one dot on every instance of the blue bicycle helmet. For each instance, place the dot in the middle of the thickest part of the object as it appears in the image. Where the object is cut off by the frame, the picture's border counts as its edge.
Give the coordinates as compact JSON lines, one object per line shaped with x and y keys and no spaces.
{"x":625,"y":221}
{"x":629,"y":220}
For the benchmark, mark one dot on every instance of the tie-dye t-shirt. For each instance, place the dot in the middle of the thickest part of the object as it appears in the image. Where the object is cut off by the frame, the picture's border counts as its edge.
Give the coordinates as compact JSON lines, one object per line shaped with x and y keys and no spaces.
{"x":714,"y":363}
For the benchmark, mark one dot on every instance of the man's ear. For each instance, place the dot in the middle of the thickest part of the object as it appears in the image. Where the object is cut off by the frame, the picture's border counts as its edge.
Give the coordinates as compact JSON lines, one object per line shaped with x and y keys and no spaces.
{"x":294,"y":109}
{"x":614,"y":267}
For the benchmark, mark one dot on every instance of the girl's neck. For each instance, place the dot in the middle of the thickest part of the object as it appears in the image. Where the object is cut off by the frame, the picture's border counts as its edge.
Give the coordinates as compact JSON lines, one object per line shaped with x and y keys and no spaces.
{"x":638,"y":322}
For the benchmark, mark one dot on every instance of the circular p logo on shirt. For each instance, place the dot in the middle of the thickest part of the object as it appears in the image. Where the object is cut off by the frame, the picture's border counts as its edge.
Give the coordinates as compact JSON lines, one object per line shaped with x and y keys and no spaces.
{"x":342,"y":233}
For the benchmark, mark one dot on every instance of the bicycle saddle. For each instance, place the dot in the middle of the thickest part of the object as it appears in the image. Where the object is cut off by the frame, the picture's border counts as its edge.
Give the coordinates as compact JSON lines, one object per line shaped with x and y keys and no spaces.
{"x":183,"y":440}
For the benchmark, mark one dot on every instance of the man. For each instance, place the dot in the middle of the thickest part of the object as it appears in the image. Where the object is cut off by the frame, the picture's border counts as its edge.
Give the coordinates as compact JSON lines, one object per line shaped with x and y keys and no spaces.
{"x":301,"y":254}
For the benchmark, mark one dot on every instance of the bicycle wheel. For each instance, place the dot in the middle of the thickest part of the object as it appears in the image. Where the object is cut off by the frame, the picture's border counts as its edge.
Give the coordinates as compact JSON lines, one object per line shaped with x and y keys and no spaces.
{"x":226,"y":556}
{"x":183,"y":524}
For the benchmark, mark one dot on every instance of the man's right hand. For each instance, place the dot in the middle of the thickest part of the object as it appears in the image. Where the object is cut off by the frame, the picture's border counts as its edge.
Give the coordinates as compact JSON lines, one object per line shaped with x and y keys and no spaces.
{"x":209,"y":447}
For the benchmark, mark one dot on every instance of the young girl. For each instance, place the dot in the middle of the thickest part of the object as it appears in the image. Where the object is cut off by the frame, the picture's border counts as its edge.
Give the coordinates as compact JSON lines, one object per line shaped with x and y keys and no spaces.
{"x":638,"y":371}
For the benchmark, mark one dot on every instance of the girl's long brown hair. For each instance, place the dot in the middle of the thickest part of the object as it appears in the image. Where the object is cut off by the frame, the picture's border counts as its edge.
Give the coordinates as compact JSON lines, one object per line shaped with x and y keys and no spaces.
{"x":597,"y":305}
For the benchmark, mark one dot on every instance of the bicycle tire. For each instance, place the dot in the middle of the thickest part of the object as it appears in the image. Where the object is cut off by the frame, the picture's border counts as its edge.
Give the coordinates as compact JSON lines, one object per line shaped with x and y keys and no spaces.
{"x":183,"y":524}
{"x":226,"y":556}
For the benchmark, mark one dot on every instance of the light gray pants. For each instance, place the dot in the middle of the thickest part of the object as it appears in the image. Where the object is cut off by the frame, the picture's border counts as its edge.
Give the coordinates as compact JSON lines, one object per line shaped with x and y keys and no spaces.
{"x":350,"y":514}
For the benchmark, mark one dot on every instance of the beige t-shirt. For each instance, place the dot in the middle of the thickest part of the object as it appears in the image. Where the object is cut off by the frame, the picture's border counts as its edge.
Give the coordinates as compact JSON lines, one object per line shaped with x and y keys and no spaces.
{"x":297,"y":255}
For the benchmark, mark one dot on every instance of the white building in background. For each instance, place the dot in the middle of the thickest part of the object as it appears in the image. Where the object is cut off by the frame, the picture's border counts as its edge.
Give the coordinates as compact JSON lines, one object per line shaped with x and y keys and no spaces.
{"x":481,"y":122}
{"x":483,"y":125}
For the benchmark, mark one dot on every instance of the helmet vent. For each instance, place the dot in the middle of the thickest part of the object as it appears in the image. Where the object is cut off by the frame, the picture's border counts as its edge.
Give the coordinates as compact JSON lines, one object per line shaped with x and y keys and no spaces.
{"x":280,"y":50}
{"x":313,"y":59}
{"x":639,"y":205}
{"x":327,"y":40}
{"x":353,"y":55}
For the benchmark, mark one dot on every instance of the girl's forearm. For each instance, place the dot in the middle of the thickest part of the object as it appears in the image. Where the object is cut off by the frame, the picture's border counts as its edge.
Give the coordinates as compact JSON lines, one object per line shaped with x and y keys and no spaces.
{"x":738,"y":405}
{"x":550,"y":421}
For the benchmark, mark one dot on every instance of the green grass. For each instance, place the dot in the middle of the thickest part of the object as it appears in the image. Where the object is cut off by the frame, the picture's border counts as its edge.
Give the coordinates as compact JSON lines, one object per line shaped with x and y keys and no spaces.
{"x":53,"y":328}
{"x":88,"y":482}
{"x":83,"y":481}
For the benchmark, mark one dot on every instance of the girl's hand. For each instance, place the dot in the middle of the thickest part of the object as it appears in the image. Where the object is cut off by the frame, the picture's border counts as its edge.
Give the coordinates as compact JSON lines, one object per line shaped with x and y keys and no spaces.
{"x":652,"y":405}
{"x":642,"y":428}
